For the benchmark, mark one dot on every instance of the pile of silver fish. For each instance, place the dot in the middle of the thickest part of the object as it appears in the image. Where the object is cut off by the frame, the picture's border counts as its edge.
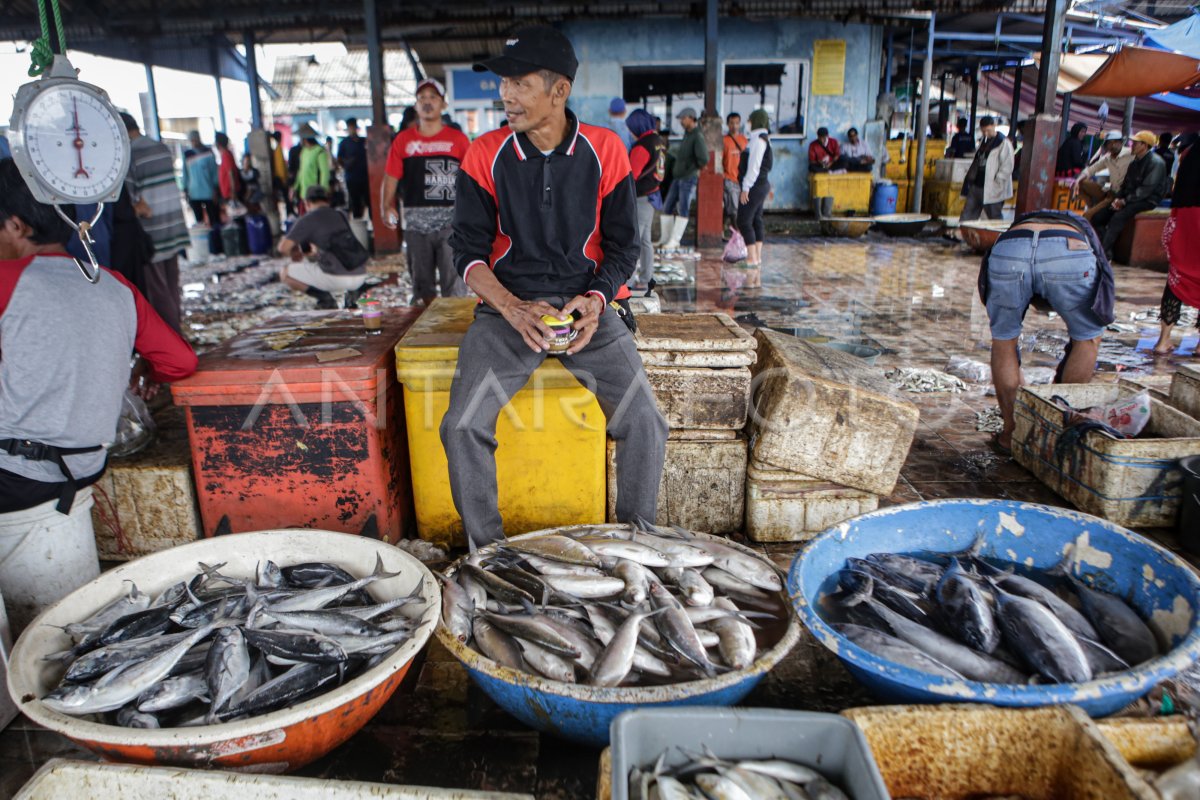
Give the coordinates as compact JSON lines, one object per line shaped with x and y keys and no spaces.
{"x":919,"y":381}
{"x":707,"y":777}
{"x":634,"y":605}
{"x":217,"y":648}
{"x":960,"y":616}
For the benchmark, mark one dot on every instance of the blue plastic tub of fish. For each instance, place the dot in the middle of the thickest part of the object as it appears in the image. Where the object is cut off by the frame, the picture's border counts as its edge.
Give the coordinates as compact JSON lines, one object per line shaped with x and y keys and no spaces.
{"x":1157,"y":584}
{"x":584,"y":713}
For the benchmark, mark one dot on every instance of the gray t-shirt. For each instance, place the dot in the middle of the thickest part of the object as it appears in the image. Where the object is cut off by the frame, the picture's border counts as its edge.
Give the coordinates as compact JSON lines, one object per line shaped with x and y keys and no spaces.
{"x":318,"y":227}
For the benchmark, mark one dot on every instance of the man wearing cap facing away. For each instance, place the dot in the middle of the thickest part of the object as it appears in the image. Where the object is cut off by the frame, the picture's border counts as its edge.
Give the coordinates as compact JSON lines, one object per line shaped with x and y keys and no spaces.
{"x":1145,"y":185}
{"x":545,"y":224}
{"x":423,"y":164}
{"x":691,"y":156}
{"x":1114,"y":158}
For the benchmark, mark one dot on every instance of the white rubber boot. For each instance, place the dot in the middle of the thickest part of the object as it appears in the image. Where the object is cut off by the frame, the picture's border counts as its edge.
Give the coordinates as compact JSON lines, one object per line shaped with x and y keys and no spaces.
{"x":665,"y":223}
{"x":680,"y":226}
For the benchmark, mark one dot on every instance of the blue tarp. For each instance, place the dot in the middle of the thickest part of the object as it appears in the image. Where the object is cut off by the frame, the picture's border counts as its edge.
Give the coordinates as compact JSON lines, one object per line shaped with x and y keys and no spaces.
{"x":1182,"y":37}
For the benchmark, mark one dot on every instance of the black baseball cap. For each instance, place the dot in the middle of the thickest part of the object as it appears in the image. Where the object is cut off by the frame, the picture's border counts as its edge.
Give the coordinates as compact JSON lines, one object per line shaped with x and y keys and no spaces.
{"x":532,"y":49}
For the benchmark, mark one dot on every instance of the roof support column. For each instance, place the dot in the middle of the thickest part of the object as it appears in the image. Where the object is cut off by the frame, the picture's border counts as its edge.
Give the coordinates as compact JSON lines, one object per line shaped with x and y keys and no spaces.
{"x":153,"y":126}
{"x":379,"y":135}
{"x":1127,"y":120}
{"x":887,"y":66}
{"x":923,"y":116}
{"x":375,"y":63}
{"x":974,"y":98}
{"x":215,"y":56}
{"x":710,"y":195}
{"x":1036,"y":188}
{"x":256,"y":116}
{"x":1015,"y":114}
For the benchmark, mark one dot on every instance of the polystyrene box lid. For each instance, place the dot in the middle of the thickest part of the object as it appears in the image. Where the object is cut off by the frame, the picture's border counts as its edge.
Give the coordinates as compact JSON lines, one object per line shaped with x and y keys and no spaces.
{"x":285,"y":349}
{"x":437,"y":335}
{"x":691,"y":332}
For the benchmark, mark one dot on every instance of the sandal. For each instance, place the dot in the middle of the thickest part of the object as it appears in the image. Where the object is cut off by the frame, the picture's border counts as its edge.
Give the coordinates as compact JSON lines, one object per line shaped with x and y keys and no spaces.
{"x":1000,"y":449}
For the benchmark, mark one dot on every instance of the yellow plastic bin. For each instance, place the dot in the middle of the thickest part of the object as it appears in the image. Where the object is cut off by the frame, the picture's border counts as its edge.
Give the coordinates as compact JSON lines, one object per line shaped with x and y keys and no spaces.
{"x":550,"y":454}
{"x":850,"y":192}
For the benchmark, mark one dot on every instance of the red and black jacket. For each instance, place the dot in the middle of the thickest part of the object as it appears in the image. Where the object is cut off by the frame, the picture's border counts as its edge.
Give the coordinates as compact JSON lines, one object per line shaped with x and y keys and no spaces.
{"x":549,"y":226}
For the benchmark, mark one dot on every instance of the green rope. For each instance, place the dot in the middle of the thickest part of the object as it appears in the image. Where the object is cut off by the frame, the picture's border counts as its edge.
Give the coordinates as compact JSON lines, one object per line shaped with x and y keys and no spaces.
{"x":41,"y":54}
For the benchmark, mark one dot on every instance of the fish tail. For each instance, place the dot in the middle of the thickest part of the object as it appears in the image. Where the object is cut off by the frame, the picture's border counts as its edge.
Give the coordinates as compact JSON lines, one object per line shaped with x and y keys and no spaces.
{"x":862,"y":594}
{"x":381,"y":574}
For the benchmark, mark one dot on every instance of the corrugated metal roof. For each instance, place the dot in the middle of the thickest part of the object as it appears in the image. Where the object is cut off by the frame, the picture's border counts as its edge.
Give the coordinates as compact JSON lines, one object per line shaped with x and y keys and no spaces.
{"x":306,"y":84}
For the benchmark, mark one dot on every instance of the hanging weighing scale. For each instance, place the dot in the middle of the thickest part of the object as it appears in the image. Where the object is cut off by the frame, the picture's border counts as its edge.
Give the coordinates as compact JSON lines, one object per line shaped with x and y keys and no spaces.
{"x":70,"y":146}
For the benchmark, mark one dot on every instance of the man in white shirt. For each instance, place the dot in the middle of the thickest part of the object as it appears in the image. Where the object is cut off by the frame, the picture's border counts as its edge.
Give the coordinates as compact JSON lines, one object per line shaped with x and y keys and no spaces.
{"x":857,"y":153}
{"x":1115,"y":158}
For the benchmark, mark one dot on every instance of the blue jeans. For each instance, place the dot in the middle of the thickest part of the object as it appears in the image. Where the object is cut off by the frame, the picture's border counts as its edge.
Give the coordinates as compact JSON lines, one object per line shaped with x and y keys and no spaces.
{"x":679,"y":196}
{"x":1048,"y":265}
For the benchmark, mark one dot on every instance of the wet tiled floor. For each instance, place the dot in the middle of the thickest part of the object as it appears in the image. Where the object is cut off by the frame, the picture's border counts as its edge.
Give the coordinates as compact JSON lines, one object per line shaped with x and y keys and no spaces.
{"x":913,"y":299}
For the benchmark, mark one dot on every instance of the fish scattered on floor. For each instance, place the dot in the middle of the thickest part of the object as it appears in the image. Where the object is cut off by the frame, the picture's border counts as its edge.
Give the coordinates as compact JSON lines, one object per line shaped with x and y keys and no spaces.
{"x":635,"y":605}
{"x":704,"y":776}
{"x":216,"y":648}
{"x":917,"y":380}
{"x":960,"y":615}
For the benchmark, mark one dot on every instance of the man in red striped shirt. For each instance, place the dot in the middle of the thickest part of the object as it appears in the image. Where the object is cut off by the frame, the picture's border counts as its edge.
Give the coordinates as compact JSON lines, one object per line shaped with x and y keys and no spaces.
{"x":545,"y":224}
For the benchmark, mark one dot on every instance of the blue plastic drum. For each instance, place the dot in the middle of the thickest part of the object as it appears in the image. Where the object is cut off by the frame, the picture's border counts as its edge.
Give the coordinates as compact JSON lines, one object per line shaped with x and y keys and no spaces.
{"x":883,"y":200}
{"x":1161,"y":587}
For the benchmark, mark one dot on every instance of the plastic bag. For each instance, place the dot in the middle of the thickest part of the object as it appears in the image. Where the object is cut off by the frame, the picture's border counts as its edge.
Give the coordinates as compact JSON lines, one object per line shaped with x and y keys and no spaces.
{"x":1128,"y":415}
{"x":135,"y":427}
{"x":969,"y":369}
{"x":735,"y":248}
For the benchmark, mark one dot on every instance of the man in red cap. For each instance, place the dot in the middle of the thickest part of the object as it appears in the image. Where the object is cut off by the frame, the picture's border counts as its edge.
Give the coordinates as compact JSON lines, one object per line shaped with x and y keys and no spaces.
{"x":422,"y":164}
{"x":546,"y":224}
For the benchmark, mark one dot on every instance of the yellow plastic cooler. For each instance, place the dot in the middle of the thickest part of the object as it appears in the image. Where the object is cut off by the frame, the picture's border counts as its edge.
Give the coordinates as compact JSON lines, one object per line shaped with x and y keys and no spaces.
{"x":550,"y":454}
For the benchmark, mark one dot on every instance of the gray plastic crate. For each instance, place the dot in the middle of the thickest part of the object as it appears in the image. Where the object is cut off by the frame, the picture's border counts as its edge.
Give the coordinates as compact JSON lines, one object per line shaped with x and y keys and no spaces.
{"x":826,"y":742}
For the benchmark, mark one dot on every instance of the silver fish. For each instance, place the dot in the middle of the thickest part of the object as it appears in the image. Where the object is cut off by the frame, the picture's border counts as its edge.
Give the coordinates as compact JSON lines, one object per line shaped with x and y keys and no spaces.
{"x":551,"y":665}
{"x":736,"y":642}
{"x":227,"y":668}
{"x":697,"y":591}
{"x":456,"y":609}
{"x":1041,"y":638}
{"x":497,"y":645}
{"x":319,"y":598}
{"x":632,"y":551}
{"x":967,"y":612}
{"x":1119,"y":625}
{"x":585,"y":586}
{"x":615,"y":662}
{"x":637,"y":582}
{"x":745,"y":566}
{"x":173,"y":693}
{"x":678,"y":630}
{"x":554,"y":547}
{"x":893,"y":649}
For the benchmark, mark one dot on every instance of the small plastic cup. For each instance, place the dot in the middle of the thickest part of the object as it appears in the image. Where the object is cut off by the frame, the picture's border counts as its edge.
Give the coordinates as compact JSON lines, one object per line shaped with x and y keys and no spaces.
{"x":372,"y":316}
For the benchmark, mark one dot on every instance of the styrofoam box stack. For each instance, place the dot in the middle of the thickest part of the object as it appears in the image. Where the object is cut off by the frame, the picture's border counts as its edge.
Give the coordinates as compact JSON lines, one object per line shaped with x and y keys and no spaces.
{"x":146,"y":502}
{"x":698,"y":366}
{"x":828,"y":435}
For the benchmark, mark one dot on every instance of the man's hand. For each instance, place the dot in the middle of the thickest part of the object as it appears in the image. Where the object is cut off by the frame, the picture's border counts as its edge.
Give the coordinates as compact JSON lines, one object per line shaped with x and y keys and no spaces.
{"x":745,"y":197}
{"x":1118,"y":204}
{"x":590,"y":307}
{"x":526,"y":318}
{"x":142,"y":209}
{"x":139,"y":383}
{"x":392,"y":220}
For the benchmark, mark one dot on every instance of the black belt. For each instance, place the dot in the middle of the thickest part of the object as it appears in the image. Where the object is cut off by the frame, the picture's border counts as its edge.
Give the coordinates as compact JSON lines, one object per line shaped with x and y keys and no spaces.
{"x":1053,"y":233}
{"x":36,"y":451}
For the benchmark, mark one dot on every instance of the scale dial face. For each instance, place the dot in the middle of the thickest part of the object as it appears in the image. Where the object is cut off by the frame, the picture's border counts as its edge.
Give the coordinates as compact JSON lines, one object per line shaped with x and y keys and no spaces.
{"x":69,"y":142}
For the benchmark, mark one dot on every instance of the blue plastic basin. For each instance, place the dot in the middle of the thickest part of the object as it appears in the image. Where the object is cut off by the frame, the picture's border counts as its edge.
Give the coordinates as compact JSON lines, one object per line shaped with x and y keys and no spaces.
{"x":1159,"y":585}
{"x":585,"y":713}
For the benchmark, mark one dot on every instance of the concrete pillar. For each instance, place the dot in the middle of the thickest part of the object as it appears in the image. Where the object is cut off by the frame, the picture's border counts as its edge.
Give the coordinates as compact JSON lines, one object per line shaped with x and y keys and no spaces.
{"x":1127,"y":120}
{"x":710,"y":194}
{"x":887,"y":66}
{"x":1052,"y":32}
{"x":923,"y":117}
{"x":379,"y":134}
{"x":260,"y":155}
{"x":375,"y":64}
{"x":1036,"y":189}
{"x":1066,"y":117}
{"x":942,"y":109}
{"x":256,"y":117}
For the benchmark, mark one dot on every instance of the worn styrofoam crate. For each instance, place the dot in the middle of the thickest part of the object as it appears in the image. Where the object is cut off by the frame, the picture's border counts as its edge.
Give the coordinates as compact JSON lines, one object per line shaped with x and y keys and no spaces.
{"x":702,"y":486}
{"x":821,"y":412}
{"x":702,"y":399}
{"x":1159,"y":386}
{"x":693,"y":340}
{"x":1132,"y":482}
{"x":959,"y":751}
{"x":147,"y":502}
{"x":951,"y":169}
{"x":791,"y":507}
{"x":1185,"y":391}
{"x":61,"y":778}
{"x":1156,"y":743}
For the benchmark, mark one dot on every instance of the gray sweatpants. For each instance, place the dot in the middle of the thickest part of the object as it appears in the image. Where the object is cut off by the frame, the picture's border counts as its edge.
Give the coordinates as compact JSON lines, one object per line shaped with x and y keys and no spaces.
{"x":431,"y":263}
{"x":645,"y":218}
{"x":494,"y":363}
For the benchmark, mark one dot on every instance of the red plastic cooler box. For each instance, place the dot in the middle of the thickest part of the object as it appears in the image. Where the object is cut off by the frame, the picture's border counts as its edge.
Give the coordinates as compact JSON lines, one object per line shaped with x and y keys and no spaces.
{"x":299,"y":424}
